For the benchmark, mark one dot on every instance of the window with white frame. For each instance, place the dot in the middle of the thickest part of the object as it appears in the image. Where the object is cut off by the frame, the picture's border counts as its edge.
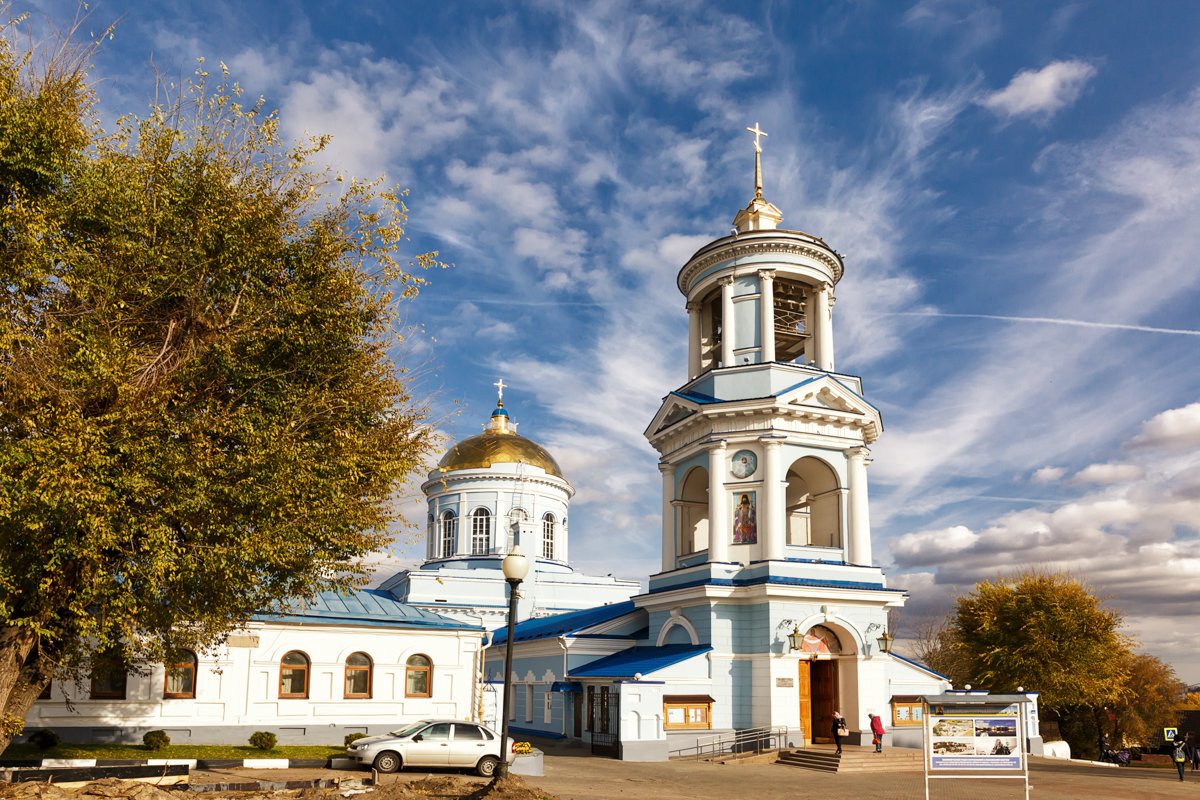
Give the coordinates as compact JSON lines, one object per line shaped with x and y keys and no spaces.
{"x":548,"y":535}
{"x":548,"y":710}
{"x":529,"y":702}
{"x":481,"y":532}
{"x":449,"y":533}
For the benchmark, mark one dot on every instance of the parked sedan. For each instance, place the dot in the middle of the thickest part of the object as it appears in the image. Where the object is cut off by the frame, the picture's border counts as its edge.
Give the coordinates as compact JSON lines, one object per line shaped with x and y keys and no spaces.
{"x":433,"y":743}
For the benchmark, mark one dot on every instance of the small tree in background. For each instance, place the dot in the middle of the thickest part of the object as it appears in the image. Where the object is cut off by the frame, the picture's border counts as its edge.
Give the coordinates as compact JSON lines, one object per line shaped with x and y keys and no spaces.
{"x":1150,"y":703}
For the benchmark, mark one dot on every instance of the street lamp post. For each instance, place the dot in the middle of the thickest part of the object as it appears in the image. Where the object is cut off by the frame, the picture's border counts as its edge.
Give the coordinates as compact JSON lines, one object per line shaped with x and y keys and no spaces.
{"x":515,"y":567}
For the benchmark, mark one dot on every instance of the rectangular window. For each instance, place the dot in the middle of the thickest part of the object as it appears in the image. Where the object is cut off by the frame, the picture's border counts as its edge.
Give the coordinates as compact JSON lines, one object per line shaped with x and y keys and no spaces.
{"x":108,"y":676}
{"x":687,"y":711}
{"x":906,"y":710}
{"x":529,"y":702}
{"x":181,"y":680}
{"x":591,"y":708}
{"x":548,"y":711}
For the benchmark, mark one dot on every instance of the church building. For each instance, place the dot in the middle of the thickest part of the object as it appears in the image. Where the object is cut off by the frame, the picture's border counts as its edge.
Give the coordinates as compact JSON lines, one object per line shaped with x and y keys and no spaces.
{"x":768,"y":610}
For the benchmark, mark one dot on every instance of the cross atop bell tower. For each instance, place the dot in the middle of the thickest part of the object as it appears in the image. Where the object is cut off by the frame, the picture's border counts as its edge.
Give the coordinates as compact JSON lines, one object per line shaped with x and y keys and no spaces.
{"x":759,"y":215}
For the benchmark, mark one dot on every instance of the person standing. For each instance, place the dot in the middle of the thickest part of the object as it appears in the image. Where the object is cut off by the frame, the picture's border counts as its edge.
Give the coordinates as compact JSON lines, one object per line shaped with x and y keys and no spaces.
{"x":838,"y":729}
{"x":877,"y":730}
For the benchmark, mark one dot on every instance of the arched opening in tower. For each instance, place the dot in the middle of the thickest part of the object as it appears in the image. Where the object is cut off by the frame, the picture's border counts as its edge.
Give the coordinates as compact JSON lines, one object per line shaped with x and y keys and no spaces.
{"x":814,"y":507}
{"x":693,"y":511}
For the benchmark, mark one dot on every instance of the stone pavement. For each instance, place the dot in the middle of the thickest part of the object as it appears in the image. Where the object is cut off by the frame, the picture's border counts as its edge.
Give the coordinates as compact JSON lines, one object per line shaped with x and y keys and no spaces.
{"x":579,"y":776}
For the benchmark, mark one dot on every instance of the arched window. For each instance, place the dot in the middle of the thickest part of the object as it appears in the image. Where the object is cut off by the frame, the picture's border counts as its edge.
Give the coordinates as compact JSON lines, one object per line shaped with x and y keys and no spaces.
{"x":547,"y":535}
{"x":481,"y":532}
{"x":418,"y":677}
{"x":358,"y":675}
{"x":180,"y":679}
{"x":449,"y":533}
{"x":293,"y":675}
{"x":517,"y":515}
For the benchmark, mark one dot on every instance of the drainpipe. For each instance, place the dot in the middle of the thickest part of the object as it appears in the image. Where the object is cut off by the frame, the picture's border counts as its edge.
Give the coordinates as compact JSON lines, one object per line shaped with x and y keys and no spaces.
{"x":562,"y":642}
{"x":485,"y":641}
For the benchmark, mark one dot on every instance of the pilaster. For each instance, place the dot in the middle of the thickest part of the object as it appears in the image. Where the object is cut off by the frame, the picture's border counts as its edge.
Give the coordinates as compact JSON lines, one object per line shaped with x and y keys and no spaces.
{"x":766,"y":290}
{"x":669,"y":535}
{"x":858,"y":550}
{"x":773,"y":501}
{"x":693,"y":310}
{"x":718,"y":504}
{"x":727,"y":321}
{"x":823,"y":327}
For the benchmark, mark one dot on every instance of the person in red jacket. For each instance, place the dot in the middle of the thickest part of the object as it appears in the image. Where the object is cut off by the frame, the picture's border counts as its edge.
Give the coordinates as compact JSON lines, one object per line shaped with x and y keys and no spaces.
{"x":877,"y":729}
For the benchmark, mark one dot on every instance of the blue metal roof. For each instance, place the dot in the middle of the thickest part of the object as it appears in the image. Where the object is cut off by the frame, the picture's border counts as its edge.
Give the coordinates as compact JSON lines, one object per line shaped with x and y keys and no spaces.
{"x":372,"y":607}
{"x":638,"y":660}
{"x":563,"y":624}
{"x":697,"y":397}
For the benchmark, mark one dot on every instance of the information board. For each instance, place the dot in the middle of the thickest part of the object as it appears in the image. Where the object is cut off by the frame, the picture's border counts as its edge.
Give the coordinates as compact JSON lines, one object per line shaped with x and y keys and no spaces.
{"x":974,"y":737}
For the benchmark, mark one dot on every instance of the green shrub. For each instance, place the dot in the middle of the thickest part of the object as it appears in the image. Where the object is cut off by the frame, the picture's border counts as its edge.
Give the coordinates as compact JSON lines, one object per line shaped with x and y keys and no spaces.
{"x":263,"y":740}
{"x":44,"y":740}
{"x":156,"y":740}
{"x":351,"y":738}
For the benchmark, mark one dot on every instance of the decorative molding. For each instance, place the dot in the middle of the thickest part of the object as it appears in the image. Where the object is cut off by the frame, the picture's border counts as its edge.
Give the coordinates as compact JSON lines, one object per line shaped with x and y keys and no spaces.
{"x":743,"y":249}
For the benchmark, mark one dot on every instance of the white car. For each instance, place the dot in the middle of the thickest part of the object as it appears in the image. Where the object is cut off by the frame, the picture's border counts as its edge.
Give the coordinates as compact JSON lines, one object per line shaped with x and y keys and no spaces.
{"x":433,"y":743}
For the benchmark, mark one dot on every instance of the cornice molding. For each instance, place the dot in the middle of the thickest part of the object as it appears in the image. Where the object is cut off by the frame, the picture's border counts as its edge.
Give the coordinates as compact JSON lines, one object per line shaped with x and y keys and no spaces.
{"x":736,"y":249}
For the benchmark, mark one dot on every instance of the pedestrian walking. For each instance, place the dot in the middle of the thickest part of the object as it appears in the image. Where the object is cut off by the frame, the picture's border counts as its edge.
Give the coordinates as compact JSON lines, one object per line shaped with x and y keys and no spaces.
{"x":1180,"y":754}
{"x":838,"y":729}
{"x":877,"y":730}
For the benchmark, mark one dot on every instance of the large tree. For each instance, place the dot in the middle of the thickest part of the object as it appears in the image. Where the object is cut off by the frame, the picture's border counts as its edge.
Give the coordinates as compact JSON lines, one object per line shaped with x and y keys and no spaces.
{"x":198,"y":412}
{"x":1151,"y":704}
{"x":1043,"y":631}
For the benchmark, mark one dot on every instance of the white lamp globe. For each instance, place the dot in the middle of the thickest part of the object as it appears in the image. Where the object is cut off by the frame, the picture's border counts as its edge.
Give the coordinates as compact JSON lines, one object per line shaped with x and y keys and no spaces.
{"x":515,"y":565}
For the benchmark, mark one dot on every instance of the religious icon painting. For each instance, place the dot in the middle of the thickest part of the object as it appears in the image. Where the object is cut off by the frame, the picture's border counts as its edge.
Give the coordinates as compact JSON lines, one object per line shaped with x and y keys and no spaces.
{"x":745,"y":519}
{"x":745,"y":462}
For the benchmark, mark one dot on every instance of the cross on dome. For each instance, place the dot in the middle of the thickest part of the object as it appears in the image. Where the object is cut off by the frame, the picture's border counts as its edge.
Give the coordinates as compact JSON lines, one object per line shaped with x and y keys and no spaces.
{"x":500,"y":391}
{"x":757,"y":133}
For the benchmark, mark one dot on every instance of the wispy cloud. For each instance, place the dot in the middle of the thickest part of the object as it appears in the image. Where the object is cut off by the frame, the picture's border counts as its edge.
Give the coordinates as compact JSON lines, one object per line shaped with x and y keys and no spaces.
{"x":1116,"y":326}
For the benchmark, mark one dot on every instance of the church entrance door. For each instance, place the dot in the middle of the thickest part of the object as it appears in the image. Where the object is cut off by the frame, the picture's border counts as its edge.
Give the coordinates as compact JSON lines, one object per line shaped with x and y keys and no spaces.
{"x":824,"y":689}
{"x":577,"y":704}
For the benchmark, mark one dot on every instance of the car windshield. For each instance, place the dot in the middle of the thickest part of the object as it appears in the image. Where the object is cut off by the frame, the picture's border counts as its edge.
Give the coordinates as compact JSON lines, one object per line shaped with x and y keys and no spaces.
{"x":411,"y":729}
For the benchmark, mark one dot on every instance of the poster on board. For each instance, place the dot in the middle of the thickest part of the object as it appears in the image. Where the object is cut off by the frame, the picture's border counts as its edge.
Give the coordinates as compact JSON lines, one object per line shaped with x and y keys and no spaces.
{"x":974,"y":737}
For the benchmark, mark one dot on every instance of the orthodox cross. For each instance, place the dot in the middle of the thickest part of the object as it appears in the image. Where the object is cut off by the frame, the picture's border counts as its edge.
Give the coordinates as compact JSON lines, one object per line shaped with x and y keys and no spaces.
{"x":500,"y":387}
{"x":757,"y":159}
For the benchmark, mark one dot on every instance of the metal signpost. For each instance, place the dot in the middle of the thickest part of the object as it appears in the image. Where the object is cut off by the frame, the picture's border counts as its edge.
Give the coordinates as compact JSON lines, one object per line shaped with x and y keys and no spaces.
{"x":975,"y":736}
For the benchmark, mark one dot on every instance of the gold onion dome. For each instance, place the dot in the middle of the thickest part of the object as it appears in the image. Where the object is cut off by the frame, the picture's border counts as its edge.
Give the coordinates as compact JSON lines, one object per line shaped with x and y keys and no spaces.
{"x":499,"y":444}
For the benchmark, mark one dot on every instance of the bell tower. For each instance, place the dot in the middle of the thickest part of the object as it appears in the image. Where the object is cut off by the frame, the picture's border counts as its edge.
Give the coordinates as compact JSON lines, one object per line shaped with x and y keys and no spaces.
{"x":766,"y":533}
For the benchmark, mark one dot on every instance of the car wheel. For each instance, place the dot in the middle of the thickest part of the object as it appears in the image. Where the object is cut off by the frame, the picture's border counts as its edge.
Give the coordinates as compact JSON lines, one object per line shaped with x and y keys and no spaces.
{"x":487,"y":766}
{"x":387,"y":761}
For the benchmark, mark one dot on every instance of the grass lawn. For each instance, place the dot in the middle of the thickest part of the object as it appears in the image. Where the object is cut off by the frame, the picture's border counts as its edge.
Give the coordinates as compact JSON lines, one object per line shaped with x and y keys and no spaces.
{"x":137,"y":751}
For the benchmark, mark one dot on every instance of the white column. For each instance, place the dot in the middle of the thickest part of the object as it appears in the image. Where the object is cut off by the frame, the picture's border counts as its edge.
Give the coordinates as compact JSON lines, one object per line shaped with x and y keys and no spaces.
{"x":766,"y":315}
{"x":858,"y":546}
{"x":693,"y":310}
{"x":772,"y":510}
{"x":727,"y":325}
{"x":669,"y":535}
{"x":718,"y":505}
{"x":822,"y":327}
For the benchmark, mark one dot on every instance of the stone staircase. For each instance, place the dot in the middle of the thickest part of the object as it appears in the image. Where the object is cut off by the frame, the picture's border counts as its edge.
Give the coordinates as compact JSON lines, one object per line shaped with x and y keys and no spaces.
{"x":853,"y":759}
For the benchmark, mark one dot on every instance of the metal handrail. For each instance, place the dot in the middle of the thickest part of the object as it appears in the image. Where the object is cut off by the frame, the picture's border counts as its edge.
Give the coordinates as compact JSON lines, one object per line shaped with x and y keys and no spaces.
{"x":743,"y":741}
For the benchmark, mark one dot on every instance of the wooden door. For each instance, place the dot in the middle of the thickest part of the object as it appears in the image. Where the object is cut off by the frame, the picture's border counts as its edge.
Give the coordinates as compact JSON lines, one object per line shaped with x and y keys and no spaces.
{"x":577,"y":703}
{"x":824,"y":699}
{"x":804,"y":692}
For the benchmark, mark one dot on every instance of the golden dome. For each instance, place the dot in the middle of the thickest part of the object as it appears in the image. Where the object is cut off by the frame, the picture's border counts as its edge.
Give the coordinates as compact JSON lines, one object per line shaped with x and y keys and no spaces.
{"x":499,"y":444}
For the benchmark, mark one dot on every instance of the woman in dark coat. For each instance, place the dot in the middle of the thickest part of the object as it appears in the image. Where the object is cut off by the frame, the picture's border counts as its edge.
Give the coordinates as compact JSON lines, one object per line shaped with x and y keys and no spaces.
{"x":837,"y":729}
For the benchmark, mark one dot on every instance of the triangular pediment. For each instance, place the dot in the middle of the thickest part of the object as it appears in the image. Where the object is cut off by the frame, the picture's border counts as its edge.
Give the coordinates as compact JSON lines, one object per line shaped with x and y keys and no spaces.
{"x":828,"y":393}
{"x":675,"y":409}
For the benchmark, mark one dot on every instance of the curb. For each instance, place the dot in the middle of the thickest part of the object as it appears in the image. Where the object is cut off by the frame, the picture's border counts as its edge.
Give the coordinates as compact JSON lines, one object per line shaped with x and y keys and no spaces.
{"x":192,"y":763}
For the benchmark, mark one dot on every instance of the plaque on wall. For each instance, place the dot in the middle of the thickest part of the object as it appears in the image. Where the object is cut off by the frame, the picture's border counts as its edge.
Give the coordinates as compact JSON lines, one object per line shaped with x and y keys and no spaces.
{"x":744,"y":464}
{"x":784,"y":683}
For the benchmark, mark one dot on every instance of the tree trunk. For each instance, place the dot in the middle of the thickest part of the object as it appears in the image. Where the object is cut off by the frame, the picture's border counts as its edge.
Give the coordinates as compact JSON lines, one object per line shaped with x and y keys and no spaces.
{"x":25,"y":672}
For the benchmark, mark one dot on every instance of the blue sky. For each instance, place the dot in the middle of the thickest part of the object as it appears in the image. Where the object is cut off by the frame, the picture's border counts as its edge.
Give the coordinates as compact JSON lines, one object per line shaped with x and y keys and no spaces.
{"x":1015,"y":186}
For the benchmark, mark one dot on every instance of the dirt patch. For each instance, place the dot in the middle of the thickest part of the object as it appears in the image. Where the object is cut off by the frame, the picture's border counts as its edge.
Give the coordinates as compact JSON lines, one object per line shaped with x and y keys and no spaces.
{"x":441,"y":787}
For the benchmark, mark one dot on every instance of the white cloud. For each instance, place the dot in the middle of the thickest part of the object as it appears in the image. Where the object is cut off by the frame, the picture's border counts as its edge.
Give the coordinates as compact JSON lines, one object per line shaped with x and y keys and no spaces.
{"x":1041,"y":92}
{"x":1175,"y":429}
{"x":1107,"y":473}
{"x":1049,"y":474}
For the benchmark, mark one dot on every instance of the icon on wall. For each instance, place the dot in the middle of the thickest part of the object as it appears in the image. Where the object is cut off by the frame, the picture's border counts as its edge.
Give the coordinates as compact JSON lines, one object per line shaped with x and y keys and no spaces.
{"x":744,"y":463}
{"x":745,"y":520}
